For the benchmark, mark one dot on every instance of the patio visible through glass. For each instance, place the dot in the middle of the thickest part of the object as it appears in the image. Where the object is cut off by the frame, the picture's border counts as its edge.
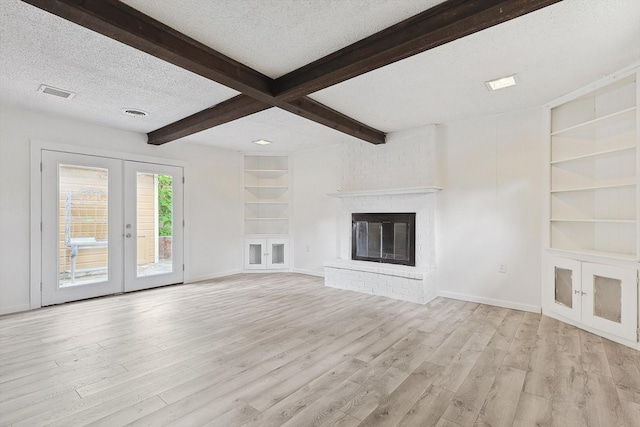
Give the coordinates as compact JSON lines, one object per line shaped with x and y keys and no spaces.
{"x":154,"y":221}
{"x":83,"y":224}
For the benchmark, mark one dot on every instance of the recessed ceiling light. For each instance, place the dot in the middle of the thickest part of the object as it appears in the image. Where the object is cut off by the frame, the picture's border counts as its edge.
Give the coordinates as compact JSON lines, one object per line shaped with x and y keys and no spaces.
{"x":501,"y":83}
{"x":134,"y":112}
{"x":262,"y":142}
{"x":50,"y":90}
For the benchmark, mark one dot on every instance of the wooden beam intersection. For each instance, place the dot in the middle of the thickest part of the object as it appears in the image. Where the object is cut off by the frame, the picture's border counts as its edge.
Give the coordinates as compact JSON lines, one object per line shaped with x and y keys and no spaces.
{"x":434,"y":27}
{"x":121,"y":22}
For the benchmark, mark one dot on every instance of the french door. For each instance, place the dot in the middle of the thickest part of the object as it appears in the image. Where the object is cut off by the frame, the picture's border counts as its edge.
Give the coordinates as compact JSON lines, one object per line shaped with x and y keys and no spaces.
{"x":108,"y":226}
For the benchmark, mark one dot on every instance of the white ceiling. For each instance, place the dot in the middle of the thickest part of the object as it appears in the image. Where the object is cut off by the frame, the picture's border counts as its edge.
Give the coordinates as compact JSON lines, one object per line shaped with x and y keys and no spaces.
{"x":552,"y":51}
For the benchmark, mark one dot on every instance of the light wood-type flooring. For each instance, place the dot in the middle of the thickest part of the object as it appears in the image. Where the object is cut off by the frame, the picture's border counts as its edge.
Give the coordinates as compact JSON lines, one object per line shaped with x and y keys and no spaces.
{"x":283,"y":350}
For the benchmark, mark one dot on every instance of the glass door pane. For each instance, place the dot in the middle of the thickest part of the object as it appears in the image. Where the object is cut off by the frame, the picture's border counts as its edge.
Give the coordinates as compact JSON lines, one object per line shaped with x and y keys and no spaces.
{"x":81,"y":228}
{"x":255,"y":254}
{"x":564,"y":287}
{"x":607,"y":298}
{"x":154,"y":219}
{"x":84,"y":224}
{"x":277,"y":253}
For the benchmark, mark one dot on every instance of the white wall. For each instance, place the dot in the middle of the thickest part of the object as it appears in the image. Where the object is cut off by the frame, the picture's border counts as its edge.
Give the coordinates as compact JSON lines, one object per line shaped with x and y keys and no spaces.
{"x":213,"y":182}
{"x":408,"y":159}
{"x":490,"y":210}
{"x":316,"y":173}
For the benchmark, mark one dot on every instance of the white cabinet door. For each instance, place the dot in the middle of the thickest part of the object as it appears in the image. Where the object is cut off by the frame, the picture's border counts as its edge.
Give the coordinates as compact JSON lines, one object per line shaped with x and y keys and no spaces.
{"x":277,"y":253}
{"x":609,"y":299}
{"x":564,"y":297}
{"x":255,"y":254}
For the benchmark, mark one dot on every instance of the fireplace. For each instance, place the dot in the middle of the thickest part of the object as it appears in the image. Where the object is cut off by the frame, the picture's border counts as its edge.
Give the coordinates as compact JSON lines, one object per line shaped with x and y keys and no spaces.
{"x":384,"y":237}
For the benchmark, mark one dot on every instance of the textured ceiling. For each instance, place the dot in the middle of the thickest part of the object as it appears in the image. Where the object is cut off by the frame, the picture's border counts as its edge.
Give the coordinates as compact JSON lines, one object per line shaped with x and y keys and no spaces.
{"x":552,"y":51}
{"x":278,"y":36}
{"x":37,"y":47}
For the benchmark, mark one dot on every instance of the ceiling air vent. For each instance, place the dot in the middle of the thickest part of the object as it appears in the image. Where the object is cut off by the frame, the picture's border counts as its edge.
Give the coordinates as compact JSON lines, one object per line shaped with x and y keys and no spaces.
{"x":61,"y":93}
{"x":134,"y":112}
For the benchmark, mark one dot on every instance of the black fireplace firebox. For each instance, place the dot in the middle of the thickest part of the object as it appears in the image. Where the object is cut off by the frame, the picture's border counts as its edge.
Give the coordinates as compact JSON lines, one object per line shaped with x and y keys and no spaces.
{"x":384,"y":237}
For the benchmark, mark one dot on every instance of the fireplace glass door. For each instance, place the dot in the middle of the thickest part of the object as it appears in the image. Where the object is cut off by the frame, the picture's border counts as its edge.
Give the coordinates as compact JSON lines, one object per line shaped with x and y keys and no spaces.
{"x":387,"y":238}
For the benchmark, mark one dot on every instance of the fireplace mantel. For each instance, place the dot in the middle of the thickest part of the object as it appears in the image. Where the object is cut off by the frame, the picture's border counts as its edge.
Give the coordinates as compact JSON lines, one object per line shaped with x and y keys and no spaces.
{"x":385,"y":192}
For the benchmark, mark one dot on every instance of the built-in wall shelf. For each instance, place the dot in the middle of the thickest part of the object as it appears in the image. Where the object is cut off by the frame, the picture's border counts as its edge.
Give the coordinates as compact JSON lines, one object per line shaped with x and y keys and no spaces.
{"x":593,"y":155}
{"x":267,"y":195}
{"x":614,"y":221}
{"x":607,"y":120}
{"x":266,"y":203}
{"x":593,"y":252}
{"x":268,"y":171}
{"x":594,"y":187}
{"x":386,"y":192}
{"x":568,"y":253}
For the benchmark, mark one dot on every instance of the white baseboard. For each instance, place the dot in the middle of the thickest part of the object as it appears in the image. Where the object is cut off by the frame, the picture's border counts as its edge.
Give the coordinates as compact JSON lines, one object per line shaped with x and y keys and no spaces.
{"x":15,"y":309}
{"x":491,"y":301}
{"x":308,"y":272}
{"x":212,"y":276}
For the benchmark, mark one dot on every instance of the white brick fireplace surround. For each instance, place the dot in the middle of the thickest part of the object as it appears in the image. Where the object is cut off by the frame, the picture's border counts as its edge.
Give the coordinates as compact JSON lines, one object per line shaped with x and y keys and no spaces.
{"x":402,"y":282}
{"x":397,"y":177}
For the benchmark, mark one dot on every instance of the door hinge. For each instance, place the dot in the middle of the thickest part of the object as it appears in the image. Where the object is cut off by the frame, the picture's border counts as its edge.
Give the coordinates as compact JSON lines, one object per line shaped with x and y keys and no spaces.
{"x":183,"y":223}
{"x":183,"y":179}
{"x":638,"y":334}
{"x":182,"y":267}
{"x":41,"y":226}
{"x":40,"y":166}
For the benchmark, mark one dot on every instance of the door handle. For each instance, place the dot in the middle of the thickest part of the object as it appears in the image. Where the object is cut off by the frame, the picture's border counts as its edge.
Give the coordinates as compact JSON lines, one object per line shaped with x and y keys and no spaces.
{"x":128,"y":235}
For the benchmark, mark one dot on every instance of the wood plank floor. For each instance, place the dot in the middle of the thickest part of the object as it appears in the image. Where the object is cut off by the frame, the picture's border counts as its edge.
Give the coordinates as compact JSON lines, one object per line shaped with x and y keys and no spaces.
{"x":283,"y":350}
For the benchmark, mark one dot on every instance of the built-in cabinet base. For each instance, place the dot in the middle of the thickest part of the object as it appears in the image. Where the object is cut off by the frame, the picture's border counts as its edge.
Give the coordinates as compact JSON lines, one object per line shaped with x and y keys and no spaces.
{"x":266,"y":254}
{"x":600,"y":298}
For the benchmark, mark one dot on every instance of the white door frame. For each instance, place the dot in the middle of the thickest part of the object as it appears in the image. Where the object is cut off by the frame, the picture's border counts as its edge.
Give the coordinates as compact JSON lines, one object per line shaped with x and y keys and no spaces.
{"x":35,"y":251}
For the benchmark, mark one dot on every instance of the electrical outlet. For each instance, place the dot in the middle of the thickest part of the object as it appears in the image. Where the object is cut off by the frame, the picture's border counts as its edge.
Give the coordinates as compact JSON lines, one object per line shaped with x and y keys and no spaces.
{"x":502,"y":268}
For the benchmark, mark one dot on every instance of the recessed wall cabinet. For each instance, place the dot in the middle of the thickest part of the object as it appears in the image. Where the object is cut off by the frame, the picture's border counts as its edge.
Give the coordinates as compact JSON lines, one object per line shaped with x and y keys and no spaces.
{"x":593,"y":208}
{"x":267,"y":211}
{"x":266,"y":254}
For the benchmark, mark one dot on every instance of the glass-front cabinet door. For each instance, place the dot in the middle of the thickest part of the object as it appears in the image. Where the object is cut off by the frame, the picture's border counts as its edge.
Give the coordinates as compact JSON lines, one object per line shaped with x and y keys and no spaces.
{"x":565,"y":295}
{"x":277,"y":254}
{"x":255,"y":257}
{"x":609,"y":299}
{"x":266,"y":254}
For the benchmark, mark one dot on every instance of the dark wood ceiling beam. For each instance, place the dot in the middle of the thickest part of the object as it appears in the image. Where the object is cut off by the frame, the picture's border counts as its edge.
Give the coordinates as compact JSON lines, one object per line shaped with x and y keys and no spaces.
{"x":434,"y":27}
{"x":120,"y":22}
{"x":237,"y":107}
{"x":243,"y":105}
{"x":319,"y":113}
{"x":127,"y":25}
